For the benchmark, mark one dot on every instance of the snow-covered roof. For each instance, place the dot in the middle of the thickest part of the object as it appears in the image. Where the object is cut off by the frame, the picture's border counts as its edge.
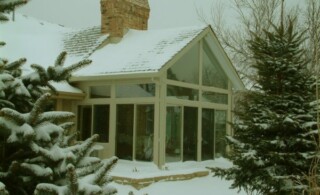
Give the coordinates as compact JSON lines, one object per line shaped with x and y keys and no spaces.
{"x":40,"y":42}
{"x":140,"y":51}
{"x":84,"y":42}
{"x":137,"y":52}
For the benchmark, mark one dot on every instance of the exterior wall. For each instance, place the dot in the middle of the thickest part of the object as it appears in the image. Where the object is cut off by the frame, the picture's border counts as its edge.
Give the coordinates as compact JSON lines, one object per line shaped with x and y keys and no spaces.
{"x":161,"y":101}
{"x":110,"y":147}
{"x":119,"y":15}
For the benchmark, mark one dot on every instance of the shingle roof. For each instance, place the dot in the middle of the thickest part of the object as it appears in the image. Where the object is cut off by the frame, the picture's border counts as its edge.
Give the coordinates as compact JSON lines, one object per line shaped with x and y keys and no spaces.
{"x":140,"y":51}
{"x":84,"y":42}
{"x":137,"y":52}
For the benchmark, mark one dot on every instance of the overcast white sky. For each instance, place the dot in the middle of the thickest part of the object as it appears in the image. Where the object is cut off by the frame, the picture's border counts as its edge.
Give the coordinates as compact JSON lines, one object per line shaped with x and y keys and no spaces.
{"x":86,"y":13}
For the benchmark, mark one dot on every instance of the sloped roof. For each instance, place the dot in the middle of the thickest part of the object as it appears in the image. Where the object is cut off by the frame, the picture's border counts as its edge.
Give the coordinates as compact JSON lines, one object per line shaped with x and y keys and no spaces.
{"x":137,"y":52}
{"x":37,"y":41}
{"x":84,"y":42}
{"x":140,"y":51}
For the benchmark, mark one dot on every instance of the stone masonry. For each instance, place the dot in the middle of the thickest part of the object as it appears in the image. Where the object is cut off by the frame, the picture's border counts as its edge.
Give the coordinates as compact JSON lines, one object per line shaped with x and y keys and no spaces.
{"x":117,"y":16}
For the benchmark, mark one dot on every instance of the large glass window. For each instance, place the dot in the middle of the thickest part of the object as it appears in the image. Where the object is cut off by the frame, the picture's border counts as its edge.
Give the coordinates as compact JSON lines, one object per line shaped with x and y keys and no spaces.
{"x":182,"y":93}
{"x":207,"y":145}
{"x":144,"y":132}
{"x":94,"y":120}
{"x":173,"y":134}
{"x":212,"y":74}
{"x":142,"y":117}
{"x":190,"y":129}
{"x":213,"y":97}
{"x":124,"y":131}
{"x":101,"y":122}
{"x":100,"y":91}
{"x":220,"y":131}
{"x":138,"y":90}
{"x":186,"y":69}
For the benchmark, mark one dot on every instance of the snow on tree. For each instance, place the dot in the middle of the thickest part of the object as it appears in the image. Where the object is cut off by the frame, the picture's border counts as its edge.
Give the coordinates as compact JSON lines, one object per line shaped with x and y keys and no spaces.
{"x":47,"y":161}
{"x":38,"y":149}
{"x":276,"y":135}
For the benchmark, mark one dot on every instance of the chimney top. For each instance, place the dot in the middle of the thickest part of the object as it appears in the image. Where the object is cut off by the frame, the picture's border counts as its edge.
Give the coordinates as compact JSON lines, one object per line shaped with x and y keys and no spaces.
{"x":117,"y":16}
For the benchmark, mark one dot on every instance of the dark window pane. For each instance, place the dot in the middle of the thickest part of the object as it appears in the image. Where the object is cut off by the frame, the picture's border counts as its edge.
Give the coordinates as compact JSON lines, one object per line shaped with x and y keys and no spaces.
{"x":85,"y":116}
{"x":100,"y":91}
{"x":213,"y":97}
{"x":190,"y":126}
{"x":182,"y":93}
{"x":124,"y":131}
{"x":220,"y":130}
{"x":207,"y":144}
{"x":173,"y":134}
{"x":101,"y":122}
{"x":144,"y":132}
{"x":212,"y":74}
{"x":186,"y":69}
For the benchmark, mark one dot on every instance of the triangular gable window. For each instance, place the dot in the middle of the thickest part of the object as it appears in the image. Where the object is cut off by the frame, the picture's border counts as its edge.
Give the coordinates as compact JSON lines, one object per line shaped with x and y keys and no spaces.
{"x":212,"y":74}
{"x":186,"y":69}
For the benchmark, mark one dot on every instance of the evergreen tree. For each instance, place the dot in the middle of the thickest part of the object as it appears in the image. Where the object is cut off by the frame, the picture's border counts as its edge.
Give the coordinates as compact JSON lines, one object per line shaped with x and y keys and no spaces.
{"x":38,"y":150}
{"x":275,"y":136}
{"x":48,"y":161}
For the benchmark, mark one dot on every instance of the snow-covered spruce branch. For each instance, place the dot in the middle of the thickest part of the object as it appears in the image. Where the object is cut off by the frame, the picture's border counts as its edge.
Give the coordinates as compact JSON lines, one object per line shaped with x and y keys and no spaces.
{"x":73,"y":180}
{"x":83,"y":149}
{"x":13,"y":115}
{"x":55,"y":117}
{"x":13,"y":66}
{"x":38,"y":108}
{"x":3,"y":190}
{"x":59,"y":73}
{"x":104,"y":170}
{"x":60,"y":59}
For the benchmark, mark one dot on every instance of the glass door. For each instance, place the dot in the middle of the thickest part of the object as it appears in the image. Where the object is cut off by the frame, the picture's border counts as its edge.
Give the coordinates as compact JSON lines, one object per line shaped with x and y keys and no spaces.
{"x":173,"y":134}
{"x":144,"y":132}
{"x":124,"y":133}
{"x":207,"y":144}
{"x":190,"y":132}
{"x":134,"y":132}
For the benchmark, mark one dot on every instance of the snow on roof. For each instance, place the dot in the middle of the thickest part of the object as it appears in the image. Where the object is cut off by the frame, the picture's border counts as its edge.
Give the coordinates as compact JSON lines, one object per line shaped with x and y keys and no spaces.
{"x":84,"y":42}
{"x":140,"y":51}
{"x":40,"y":42}
{"x":65,"y":87}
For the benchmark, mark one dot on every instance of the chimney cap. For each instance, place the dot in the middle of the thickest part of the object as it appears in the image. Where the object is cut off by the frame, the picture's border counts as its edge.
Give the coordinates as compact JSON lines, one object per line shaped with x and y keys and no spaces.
{"x":142,"y":3}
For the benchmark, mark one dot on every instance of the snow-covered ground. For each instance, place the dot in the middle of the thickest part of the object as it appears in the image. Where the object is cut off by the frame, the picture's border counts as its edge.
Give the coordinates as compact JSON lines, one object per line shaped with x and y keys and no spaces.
{"x":207,"y":185}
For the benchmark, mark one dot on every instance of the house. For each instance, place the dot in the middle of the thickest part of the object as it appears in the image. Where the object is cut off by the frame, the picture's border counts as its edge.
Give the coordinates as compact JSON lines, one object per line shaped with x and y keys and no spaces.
{"x":152,"y":95}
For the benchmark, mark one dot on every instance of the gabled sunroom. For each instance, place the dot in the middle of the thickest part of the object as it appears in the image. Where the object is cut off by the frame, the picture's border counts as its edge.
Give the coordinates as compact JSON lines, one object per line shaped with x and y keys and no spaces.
{"x":176,"y":108}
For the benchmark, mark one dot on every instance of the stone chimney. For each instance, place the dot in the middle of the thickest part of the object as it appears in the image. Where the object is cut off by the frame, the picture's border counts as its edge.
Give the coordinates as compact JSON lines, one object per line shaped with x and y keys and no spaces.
{"x":117,"y":16}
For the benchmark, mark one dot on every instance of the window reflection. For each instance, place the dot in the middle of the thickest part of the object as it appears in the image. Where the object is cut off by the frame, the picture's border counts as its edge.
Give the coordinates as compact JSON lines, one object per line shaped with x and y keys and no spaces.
{"x":94,"y":120}
{"x":173,"y":134}
{"x":190,"y":126}
{"x":144,"y":132}
{"x":207,"y":134}
{"x":186,"y":69}
{"x":124,"y":131}
{"x":182,"y":93}
{"x":213,"y":97}
{"x":85,"y":121}
{"x":212,"y":74}
{"x":100,"y":91}
{"x":220,"y":131}
{"x":135,"y":90}
{"x":101,"y":122}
